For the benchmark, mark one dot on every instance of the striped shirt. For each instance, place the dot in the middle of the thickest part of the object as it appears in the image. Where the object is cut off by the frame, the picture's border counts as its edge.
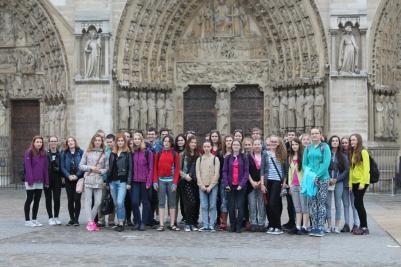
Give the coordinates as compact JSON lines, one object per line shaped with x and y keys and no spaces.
{"x":273,"y":175}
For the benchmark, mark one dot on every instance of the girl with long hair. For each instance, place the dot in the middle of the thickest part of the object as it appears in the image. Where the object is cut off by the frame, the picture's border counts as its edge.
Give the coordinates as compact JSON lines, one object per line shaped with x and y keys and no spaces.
{"x":36,"y":178}
{"x":94,"y":163}
{"x":119,"y":176}
{"x":226,"y":151}
{"x":179,"y":147}
{"x":215,"y":139}
{"x":359,"y":179}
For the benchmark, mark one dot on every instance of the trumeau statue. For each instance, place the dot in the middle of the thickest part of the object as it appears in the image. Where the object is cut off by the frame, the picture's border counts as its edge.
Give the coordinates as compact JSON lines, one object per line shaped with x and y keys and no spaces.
{"x":134,"y":111}
{"x":123,"y":106}
{"x":222,"y":107}
{"x":299,"y":109}
{"x":348,"y":52}
{"x":3,"y":114}
{"x":92,"y":54}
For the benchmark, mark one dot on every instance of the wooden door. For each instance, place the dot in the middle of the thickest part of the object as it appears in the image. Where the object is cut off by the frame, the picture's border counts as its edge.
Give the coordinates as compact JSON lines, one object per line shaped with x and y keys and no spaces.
{"x":25,"y":124}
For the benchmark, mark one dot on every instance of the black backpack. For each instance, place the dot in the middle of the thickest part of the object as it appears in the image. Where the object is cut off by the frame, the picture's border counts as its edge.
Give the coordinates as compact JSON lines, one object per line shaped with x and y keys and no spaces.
{"x":374,"y":170}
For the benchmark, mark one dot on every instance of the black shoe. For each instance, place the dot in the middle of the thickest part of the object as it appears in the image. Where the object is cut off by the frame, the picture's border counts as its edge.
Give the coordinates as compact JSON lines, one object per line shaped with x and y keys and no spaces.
{"x":155,"y":222}
{"x":303,"y":231}
{"x":111,"y":225}
{"x":98,"y":224}
{"x":233,"y":229}
{"x":76,"y":223}
{"x":70,"y":223}
{"x":142,"y":227}
{"x":293,"y":231}
{"x":288,"y":226}
{"x":238,"y":230}
{"x":135,"y":226}
{"x":129,"y":223}
{"x":345,"y":229}
{"x":119,"y":228}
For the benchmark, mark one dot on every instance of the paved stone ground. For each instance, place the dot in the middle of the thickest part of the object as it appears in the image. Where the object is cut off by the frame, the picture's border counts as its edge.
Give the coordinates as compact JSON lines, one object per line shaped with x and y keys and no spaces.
{"x":69,"y":246}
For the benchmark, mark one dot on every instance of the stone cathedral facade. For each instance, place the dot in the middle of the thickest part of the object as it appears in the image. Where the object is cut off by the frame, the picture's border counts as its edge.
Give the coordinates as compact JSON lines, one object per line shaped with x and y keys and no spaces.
{"x":70,"y":67}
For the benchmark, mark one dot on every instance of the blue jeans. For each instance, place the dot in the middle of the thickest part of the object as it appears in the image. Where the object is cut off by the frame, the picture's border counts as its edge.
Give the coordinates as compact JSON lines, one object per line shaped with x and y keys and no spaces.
{"x":347,"y":196}
{"x":223,"y":198}
{"x":338,"y":194}
{"x":139,"y":194}
{"x":165,"y":191}
{"x":257,"y":210}
{"x":118,"y":191}
{"x":208,"y":202}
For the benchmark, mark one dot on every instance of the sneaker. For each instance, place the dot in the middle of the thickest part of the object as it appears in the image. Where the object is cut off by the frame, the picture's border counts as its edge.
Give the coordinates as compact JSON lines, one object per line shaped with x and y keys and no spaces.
{"x":203,"y":229}
{"x":303,"y":231}
{"x":29,"y":224}
{"x":354,"y":227}
{"x":58,"y":222}
{"x":142,"y":227}
{"x":99,"y":224}
{"x":95,"y":228}
{"x":187,"y":228}
{"x":119,"y":228}
{"x":312,"y":232}
{"x":365,"y":230}
{"x":76,"y":223}
{"x":37,"y":224}
{"x":89,"y":226}
{"x":212,"y":229}
{"x":52,"y":221}
{"x":345,"y":229}
{"x":336,"y":230}
{"x":293,"y":231}
{"x":270,"y":230}
{"x":288,"y":226}
{"x":70,"y":223}
{"x":194,"y":228}
{"x":277,"y":231}
{"x":319,"y":233}
{"x":112,"y":225}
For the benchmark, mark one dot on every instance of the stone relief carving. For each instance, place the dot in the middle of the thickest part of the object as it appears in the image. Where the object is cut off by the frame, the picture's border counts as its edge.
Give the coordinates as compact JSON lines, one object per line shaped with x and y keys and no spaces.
{"x":385,"y":115}
{"x":123,"y":108}
{"x":3,"y":117}
{"x":222,"y":108}
{"x":92,"y":55}
{"x":319,"y":107}
{"x":348,"y":52}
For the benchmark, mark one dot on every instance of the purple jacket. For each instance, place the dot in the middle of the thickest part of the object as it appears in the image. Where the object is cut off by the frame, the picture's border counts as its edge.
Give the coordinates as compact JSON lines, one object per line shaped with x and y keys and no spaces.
{"x":243,"y":170}
{"x":36,"y":168}
{"x":142,"y":167}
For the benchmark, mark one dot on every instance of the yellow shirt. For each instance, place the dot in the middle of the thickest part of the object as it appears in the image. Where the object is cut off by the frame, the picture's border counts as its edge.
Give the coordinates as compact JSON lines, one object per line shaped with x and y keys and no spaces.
{"x":360,"y":173}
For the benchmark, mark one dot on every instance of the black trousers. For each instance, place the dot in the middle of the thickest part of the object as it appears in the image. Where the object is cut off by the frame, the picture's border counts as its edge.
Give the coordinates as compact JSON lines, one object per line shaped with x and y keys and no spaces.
{"x":53,"y":193}
{"x":154,"y":203}
{"x":179,"y":197}
{"x":74,"y":200}
{"x":235,"y":201}
{"x":128,"y":207}
{"x":275,"y":205}
{"x":290,"y":210}
{"x":190,"y":202}
{"x":359,"y":206}
{"x":32,"y":195}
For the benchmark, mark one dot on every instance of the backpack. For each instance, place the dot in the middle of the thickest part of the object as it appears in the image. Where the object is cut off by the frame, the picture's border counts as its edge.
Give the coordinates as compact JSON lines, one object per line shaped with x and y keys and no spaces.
{"x":374,"y":170}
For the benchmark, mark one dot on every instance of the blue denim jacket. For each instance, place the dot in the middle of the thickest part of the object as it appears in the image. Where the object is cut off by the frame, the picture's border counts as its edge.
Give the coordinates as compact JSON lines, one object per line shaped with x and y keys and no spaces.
{"x":67,"y":159}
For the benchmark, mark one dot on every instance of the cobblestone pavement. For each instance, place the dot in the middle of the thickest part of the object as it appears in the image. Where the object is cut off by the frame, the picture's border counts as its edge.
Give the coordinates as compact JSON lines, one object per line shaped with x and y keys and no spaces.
{"x":69,"y":246}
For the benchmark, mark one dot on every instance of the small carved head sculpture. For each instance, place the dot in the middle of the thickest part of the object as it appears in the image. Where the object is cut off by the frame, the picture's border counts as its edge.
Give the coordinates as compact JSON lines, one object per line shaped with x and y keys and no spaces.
{"x":348,"y":29}
{"x":283,"y":93}
{"x":93,"y":34}
{"x":291,"y":93}
{"x":300,"y":92}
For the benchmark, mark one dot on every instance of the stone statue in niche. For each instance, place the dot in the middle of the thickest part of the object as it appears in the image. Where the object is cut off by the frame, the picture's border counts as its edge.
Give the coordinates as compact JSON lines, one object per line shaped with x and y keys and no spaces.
{"x":3,"y":114}
{"x":283,"y":111}
{"x":309,"y":101}
{"x":143,"y":104}
{"x":319,"y":107}
{"x":61,"y":119}
{"x":299,"y":110}
{"x":45,"y":120}
{"x":134,"y":111}
{"x":222,"y":108}
{"x":161,"y":112}
{"x":386,"y":115}
{"x":52,"y":119}
{"x":169,"y":111}
{"x":348,"y":52}
{"x":379,"y":116}
{"x":92,"y":54}
{"x":151,"y":109}
{"x":390,"y":118}
{"x":275,"y":113}
{"x":395,"y":114}
{"x":291,"y":109}
{"x":123,"y":108}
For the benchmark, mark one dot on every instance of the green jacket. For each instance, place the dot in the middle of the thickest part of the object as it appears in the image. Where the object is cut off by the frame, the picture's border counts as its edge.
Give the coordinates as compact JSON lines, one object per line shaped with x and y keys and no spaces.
{"x":318,"y":160}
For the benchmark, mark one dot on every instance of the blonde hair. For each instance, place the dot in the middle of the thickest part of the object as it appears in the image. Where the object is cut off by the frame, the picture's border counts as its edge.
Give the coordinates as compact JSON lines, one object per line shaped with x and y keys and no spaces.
{"x":142,"y":146}
{"x":281,"y":150}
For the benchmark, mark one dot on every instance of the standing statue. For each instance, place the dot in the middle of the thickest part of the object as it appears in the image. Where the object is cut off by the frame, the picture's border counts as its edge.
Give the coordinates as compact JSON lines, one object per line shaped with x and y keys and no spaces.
{"x":348,"y":52}
{"x":222,"y":107}
{"x":319,"y":107}
{"x":386,"y":115}
{"x":45,"y":120}
{"x":169,"y":112}
{"x":291,"y":109}
{"x":161,"y":112}
{"x":299,"y":110}
{"x":395,"y":114}
{"x":3,"y":116}
{"x":275,"y":113}
{"x":283,"y":111}
{"x":92,"y":54}
{"x":52,"y":120}
{"x":379,"y":116}
{"x":309,"y":101}
{"x":62,"y":120}
{"x":123,"y":108}
{"x":134,"y":111}
{"x":152,"y":109}
{"x":143,"y":104}
{"x":390,"y":118}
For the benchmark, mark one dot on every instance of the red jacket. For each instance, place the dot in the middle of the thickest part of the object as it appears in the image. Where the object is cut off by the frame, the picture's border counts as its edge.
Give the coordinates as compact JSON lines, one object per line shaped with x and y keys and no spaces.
{"x":164,"y":163}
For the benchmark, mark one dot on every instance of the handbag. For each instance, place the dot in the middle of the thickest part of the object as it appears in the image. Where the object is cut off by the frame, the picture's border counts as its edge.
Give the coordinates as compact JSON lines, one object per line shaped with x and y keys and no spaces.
{"x":107,"y":205}
{"x":79,"y":188}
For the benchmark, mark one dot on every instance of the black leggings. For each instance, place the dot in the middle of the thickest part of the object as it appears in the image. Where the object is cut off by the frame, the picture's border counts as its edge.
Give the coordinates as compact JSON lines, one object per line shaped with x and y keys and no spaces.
{"x":32,"y":195}
{"x":53,"y":193}
{"x":274,"y":207}
{"x":190,"y":202}
{"x":74,"y":200}
{"x":359,"y":206}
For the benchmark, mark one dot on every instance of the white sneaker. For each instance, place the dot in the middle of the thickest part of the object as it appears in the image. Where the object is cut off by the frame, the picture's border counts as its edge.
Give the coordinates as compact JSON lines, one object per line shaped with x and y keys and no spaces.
{"x":270,"y":230}
{"x":52,"y":222}
{"x":36,"y":223}
{"x":212,"y":229}
{"x":29,"y":224}
{"x":58,"y":222}
{"x":277,"y":231}
{"x":336,"y":230}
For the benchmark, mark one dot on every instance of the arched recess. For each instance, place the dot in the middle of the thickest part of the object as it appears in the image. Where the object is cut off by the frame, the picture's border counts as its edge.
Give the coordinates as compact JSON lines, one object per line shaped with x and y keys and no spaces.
{"x":385,"y":72}
{"x":291,"y":53}
{"x":33,"y":67}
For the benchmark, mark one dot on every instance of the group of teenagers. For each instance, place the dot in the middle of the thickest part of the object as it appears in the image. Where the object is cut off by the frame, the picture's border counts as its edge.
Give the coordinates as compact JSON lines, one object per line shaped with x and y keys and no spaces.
{"x":233,"y":183}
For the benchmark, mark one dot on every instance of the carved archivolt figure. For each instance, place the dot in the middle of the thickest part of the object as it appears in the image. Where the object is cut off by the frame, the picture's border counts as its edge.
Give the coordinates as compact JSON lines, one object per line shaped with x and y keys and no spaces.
{"x":92,"y":54}
{"x":348,"y":52}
